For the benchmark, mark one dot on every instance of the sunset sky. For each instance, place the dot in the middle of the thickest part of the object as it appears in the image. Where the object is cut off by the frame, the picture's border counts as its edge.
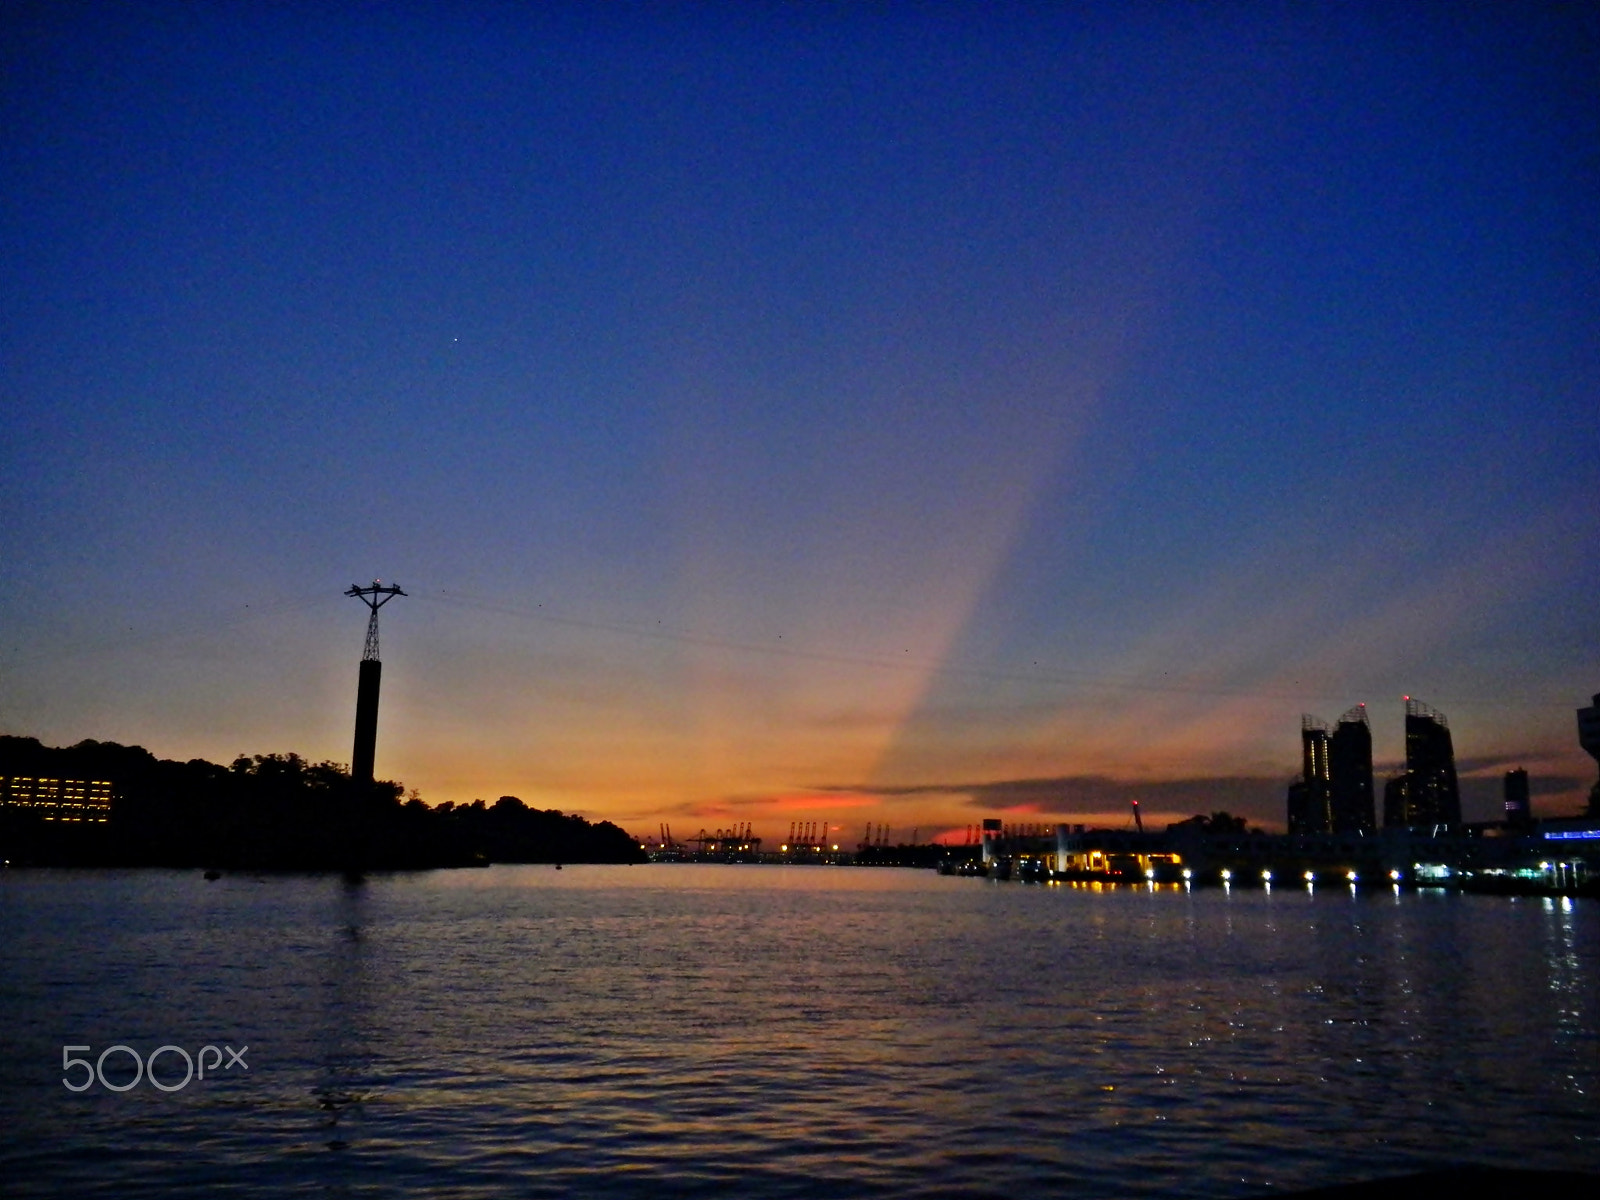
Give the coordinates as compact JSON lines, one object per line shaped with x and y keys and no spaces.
{"x":894,"y":414}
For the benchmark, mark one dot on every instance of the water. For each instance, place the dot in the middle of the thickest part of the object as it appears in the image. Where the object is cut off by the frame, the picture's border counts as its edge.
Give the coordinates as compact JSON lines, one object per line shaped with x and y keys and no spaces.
{"x":679,"y":1030}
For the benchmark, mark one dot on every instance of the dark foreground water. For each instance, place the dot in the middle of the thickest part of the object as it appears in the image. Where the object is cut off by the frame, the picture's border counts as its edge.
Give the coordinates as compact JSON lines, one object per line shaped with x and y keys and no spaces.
{"x":768,"y":1031}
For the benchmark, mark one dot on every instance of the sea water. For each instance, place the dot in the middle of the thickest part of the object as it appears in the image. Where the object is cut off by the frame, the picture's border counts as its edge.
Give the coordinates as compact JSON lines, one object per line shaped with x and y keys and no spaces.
{"x":764,"y":1031}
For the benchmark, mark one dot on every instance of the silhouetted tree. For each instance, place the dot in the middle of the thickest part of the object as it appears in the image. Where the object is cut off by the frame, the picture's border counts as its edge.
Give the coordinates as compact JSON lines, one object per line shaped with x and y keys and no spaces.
{"x":278,"y":811}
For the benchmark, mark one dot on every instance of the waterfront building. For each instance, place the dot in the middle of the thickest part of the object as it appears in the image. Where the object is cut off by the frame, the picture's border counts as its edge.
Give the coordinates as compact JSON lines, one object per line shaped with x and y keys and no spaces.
{"x":1394,"y":802}
{"x":73,"y":800}
{"x":1519,"y":814}
{"x":1589,"y":739}
{"x":1350,"y":797}
{"x":1299,"y":807}
{"x":1431,"y":794}
{"x":993,"y":834}
{"x":1334,"y":792}
{"x":1309,"y":801}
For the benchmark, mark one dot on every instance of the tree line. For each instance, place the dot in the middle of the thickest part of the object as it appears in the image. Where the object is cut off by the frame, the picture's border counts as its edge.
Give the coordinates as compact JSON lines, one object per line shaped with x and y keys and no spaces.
{"x":277,"y":812}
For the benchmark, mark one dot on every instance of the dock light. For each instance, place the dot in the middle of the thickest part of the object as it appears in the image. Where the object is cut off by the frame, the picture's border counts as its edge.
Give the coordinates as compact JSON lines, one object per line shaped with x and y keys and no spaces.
{"x":1311,"y":876}
{"x":836,"y":845}
{"x":1149,"y":872}
{"x":1226,"y":874}
{"x":1266,"y":877}
{"x":1188,"y":874}
{"x":1350,"y":875}
{"x":785,"y":848}
{"x":1395,"y":875}
{"x":1544,"y":866}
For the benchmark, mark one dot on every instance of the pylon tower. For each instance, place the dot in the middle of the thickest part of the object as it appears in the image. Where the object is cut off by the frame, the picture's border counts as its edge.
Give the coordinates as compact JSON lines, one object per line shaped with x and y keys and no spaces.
{"x":374,"y":597}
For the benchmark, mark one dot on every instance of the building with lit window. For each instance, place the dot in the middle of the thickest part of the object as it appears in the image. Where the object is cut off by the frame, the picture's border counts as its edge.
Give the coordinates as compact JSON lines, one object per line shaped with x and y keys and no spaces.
{"x":1334,"y":792}
{"x":1394,"y":801}
{"x":1429,"y":793}
{"x":1519,"y":813}
{"x":57,"y":799}
{"x":1351,"y":806}
{"x":1309,"y":798}
{"x":1299,"y":807}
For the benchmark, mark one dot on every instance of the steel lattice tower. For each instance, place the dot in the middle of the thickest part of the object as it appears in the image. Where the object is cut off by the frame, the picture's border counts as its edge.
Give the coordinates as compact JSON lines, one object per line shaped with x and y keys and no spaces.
{"x":361,"y":758}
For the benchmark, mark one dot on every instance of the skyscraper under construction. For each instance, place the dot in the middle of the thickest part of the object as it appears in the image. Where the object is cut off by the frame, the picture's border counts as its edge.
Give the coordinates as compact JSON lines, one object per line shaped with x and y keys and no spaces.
{"x":1334,"y":791}
{"x":1351,"y":807}
{"x":1589,"y":739}
{"x":1428,"y":793}
{"x":1309,"y":798}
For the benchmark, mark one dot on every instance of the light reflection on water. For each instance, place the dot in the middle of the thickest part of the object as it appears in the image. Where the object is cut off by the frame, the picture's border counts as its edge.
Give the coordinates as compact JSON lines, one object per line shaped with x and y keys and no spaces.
{"x":686,"y":1030}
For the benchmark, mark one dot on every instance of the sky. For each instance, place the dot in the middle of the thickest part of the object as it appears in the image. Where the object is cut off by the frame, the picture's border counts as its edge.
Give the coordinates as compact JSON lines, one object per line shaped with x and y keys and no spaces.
{"x":867,"y":414}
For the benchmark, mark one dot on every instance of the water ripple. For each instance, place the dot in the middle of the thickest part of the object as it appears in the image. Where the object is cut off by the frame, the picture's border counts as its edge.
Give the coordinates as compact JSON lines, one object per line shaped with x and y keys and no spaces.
{"x":771,"y":1032}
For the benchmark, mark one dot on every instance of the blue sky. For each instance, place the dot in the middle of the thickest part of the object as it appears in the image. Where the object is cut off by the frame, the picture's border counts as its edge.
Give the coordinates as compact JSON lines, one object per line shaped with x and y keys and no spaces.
{"x":856,"y":412}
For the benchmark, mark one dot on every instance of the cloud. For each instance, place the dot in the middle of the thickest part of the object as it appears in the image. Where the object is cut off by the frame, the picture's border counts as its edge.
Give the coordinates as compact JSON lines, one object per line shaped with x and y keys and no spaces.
{"x":777,"y":803}
{"x":1556,"y":785}
{"x":1257,"y":796}
{"x":1477,"y":764}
